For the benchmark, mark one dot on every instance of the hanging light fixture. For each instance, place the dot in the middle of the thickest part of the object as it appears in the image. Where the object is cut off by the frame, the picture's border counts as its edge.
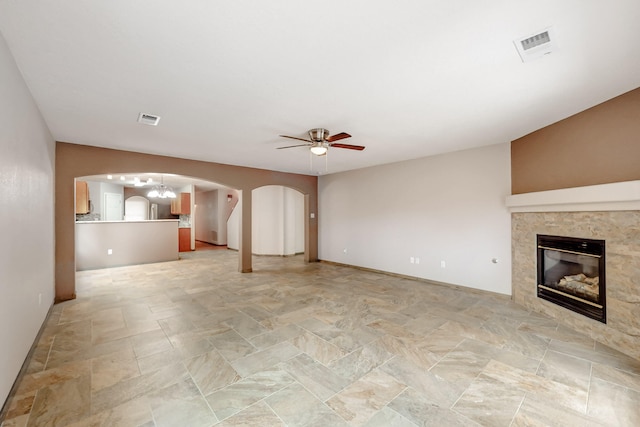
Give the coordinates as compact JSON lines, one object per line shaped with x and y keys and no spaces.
{"x":161,"y":191}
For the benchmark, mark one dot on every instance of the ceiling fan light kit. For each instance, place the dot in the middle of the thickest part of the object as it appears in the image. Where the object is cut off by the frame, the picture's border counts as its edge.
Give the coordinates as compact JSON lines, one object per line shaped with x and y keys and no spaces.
{"x":319,"y":148}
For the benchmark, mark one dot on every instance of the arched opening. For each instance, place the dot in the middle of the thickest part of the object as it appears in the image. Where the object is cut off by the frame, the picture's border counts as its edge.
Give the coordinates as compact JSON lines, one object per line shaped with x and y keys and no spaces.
{"x":146,"y":227}
{"x":73,"y":160}
{"x":277,"y":221}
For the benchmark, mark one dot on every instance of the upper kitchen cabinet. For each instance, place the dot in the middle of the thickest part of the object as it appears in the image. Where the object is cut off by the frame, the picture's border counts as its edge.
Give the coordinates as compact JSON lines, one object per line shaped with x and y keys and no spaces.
{"x":181,"y":205}
{"x":82,"y":197}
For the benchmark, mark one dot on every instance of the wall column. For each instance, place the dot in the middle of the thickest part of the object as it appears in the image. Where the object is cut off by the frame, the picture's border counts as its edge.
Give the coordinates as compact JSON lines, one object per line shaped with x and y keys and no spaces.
{"x":245,"y":233}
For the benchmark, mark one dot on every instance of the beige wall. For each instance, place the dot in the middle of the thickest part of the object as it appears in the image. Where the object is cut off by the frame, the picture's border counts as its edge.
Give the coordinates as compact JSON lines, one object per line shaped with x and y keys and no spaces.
{"x":73,"y":160}
{"x":597,"y":146}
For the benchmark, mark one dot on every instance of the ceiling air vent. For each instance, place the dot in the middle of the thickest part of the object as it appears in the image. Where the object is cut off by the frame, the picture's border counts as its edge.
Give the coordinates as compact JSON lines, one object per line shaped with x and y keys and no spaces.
{"x":536,"y":45}
{"x":148,"y":119}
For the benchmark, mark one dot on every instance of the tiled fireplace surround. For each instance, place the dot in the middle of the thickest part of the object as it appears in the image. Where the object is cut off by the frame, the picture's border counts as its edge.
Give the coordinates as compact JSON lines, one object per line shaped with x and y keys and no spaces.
{"x":610,"y":212}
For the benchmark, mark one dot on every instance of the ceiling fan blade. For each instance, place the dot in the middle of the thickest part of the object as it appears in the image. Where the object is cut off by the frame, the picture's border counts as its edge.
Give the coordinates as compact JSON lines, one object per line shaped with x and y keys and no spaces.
{"x":291,"y":146}
{"x":295,"y":137}
{"x":338,"y":136}
{"x":349,"y":146}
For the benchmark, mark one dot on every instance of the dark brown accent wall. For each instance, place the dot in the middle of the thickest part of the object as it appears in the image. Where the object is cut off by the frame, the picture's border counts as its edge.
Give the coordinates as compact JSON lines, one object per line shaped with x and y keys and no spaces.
{"x":597,"y":146}
{"x":74,"y":160}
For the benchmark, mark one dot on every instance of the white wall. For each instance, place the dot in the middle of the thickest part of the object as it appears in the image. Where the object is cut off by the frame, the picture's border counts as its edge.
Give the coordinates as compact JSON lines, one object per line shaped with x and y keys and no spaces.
{"x":96,"y":195}
{"x":225,"y":209}
{"x":448,"y":208}
{"x":26,"y":220}
{"x":233,"y":225}
{"x":277,"y":221}
{"x":104,"y":187}
{"x":206,"y":216}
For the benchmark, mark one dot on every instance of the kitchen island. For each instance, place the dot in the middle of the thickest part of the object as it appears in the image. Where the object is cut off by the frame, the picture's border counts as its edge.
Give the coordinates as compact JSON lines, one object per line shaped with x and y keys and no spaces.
{"x":101,"y":244}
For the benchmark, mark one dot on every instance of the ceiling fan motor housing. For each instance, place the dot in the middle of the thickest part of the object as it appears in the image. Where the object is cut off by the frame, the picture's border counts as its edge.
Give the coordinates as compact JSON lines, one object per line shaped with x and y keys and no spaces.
{"x":318,"y":134}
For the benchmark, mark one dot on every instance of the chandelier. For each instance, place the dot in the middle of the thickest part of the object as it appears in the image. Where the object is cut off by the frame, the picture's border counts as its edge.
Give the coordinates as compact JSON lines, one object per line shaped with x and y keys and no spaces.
{"x":161,"y":191}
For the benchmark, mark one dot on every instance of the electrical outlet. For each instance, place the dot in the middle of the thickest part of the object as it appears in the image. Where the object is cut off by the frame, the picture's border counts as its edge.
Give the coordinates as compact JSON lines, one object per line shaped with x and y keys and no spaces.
{"x":417,"y":260}
{"x":109,"y":251}
{"x":344,"y":250}
{"x":443,"y":264}
{"x":412,"y":260}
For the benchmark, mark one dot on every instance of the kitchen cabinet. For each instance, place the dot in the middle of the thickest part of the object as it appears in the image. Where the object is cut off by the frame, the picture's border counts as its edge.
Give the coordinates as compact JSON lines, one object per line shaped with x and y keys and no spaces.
{"x":181,"y":205}
{"x":82,"y":197}
{"x":184,"y":239}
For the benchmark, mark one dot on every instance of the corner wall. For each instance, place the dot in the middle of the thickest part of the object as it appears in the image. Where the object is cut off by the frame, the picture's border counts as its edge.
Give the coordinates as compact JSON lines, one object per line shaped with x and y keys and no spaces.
{"x":26,"y":220}
{"x":447,"y":208}
{"x":596,"y":146}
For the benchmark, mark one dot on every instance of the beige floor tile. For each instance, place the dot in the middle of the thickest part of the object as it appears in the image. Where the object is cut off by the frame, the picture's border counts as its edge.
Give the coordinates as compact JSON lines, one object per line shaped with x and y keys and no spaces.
{"x":319,"y":349}
{"x":535,"y":412}
{"x":613,"y":404}
{"x":62,"y":403}
{"x":264,"y":359}
{"x":616,"y":376}
{"x":296,"y":407}
{"x":194,"y":342}
{"x":242,"y":394}
{"x":314,"y":376}
{"x":436,"y":389}
{"x":360,"y":401}
{"x":112,"y":368}
{"x":413,"y":406}
{"x":566,"y":369}
{"x":258,"y":415}
{"x":232,"y":345}
{"x":132,"y":413}
{"x":211,"y":372}
{"x":181,"y":404}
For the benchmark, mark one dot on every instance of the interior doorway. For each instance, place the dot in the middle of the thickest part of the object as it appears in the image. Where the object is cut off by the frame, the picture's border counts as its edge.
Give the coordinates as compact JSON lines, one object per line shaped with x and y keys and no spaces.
{"x":112,"y":207}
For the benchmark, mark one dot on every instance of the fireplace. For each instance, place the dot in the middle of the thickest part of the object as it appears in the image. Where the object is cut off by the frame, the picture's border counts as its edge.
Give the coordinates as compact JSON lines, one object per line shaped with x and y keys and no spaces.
{"x":571,"y":273}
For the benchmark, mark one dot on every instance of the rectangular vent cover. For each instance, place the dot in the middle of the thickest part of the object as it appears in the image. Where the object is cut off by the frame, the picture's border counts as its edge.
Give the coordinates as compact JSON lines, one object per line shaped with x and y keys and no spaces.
{"x":536,"y":45}
{"x":148,"y":119}
{"x":535,"y":41}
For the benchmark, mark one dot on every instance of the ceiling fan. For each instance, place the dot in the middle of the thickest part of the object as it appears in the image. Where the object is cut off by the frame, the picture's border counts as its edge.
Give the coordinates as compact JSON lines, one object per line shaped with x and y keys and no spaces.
{"x":319,"y":141}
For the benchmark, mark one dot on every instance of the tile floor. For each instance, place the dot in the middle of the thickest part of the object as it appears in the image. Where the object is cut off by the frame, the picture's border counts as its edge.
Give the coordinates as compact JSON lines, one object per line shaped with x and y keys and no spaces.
{"x":194,"y":343}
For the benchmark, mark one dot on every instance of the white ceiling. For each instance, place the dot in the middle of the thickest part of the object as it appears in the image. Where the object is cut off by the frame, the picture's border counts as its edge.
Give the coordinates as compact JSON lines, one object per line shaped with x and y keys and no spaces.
{"x":406,"y":78}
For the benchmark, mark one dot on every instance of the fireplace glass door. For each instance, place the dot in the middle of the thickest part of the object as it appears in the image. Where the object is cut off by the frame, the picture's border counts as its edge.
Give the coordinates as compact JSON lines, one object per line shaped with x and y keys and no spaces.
{"x":571,"y":274}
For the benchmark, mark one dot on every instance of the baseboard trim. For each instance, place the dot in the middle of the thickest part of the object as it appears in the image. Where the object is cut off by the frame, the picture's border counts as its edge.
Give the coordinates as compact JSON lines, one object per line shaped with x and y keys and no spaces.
{"x":423,"y":280}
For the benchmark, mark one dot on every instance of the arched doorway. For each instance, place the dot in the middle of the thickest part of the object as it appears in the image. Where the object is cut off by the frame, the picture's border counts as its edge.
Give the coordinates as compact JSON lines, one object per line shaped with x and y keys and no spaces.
{"x":74,"y":160}
{"x":150,"y":228}
{"x":277,"y":221}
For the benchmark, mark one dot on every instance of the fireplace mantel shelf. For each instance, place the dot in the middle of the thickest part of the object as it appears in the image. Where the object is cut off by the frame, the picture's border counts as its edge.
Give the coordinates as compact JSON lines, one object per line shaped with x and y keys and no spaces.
{"x":619,"y":196}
